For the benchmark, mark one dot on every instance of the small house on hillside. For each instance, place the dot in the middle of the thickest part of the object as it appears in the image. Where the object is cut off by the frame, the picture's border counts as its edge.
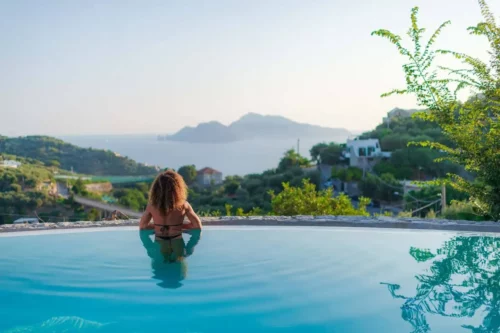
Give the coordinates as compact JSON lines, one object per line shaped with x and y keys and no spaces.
{"x":398,"y":113}
{"x":364,"y":154}
{"x":208,"y":176}
{"x":10,"y":164}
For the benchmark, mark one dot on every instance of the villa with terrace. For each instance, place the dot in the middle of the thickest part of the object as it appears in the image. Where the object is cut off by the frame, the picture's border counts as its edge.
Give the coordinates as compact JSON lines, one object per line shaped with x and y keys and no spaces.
{"x":364,"y":154}
{"x":208,"y":176}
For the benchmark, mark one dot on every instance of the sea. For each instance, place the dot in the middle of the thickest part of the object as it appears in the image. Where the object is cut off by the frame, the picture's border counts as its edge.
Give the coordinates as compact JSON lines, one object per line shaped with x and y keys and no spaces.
{"x":235,"y":158}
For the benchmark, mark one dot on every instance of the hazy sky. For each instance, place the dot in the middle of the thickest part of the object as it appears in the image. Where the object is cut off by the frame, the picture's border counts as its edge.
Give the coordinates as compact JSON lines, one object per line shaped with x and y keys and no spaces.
{"x":85,"y":67}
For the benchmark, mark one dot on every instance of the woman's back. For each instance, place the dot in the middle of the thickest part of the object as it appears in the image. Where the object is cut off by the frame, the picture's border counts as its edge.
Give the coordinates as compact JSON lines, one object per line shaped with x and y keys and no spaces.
{"x":168,"y":207}
{"x":170,"y":224}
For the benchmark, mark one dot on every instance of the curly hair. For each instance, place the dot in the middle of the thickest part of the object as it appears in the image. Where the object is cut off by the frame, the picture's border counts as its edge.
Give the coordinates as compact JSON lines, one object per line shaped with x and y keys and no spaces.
{"x":168,"y":192}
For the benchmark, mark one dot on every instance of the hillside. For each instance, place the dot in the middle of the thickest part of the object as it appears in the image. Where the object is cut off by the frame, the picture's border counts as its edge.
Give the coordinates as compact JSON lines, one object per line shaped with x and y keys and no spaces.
{"x":24,"y":189}
{"x":58,"y":153}
{"x":253,"y":126}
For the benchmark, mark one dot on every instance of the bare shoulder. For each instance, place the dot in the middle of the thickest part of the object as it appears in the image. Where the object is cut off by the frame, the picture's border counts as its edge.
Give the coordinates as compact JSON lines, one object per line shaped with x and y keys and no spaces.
{"x":187,"y":206}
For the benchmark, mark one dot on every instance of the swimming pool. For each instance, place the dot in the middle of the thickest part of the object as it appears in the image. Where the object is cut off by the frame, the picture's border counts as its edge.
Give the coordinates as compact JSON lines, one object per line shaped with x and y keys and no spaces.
{"x":251,"y":279}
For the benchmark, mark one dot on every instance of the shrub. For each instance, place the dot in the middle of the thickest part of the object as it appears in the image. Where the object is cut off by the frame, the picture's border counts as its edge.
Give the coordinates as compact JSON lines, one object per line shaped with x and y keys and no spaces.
{"x":462,"y":210}
{"x":306,"y":200}
{"x":228,"y":209}
{"x":431,"y":214}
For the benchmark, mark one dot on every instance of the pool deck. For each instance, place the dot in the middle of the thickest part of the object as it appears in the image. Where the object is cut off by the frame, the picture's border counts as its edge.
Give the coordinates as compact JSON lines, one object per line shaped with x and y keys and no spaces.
{"x":327,"y":221}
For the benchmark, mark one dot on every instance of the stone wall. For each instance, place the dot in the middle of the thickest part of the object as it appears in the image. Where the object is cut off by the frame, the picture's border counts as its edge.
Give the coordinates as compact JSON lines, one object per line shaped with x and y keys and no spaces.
{"x":331,"y":221}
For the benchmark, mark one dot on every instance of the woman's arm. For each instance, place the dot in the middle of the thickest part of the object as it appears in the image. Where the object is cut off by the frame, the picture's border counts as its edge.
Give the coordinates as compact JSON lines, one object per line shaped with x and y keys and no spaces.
{"x":146,"y":219}
{"x":193,"y":241}
{"x":193,"y":218}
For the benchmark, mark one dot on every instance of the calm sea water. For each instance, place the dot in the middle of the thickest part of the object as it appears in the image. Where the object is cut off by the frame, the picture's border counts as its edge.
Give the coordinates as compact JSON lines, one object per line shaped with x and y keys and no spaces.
{"x":238,"y":158}
{"x":251,"y":280}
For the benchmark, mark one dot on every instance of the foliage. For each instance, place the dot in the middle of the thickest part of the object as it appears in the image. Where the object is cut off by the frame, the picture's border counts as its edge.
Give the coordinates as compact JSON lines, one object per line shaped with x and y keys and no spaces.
{"x":229,"y":209}
{"x":94,"y":215}
{"x":15,"y":204}
{"x":239,"y":212}
{"x":386,"y":213}
{"x":431,"y":214}
{"x":133,"y":198}
{"x":414,"y":163}
{"x":431,"y":193}
{"x":418,"y":164}
{"x":383,"y":188}
{"x":188,"y":172}
{"x":23,"y":189}
{"x":230,"y":187}
{"x":348,"y":174}
{"x":78,"y":187}
{"x":397,"y":133}
{"x":25,"y":177}
{"x":292,"y":159}
{"x":462,"y":210}
{"x":306,"y":200}
{"x":249,"y":194}
{"x":472,"y":127}
{"x":405,"y":214}
{"x":327,"y":153}
{"x":215,"y":213}
{"x":86,"y":161}
{"x":461,"y":281}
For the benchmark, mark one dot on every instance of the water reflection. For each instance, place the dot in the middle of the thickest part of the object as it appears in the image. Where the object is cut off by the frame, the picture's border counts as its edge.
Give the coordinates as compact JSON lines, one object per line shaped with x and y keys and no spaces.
{"x":168,"y":262}
{"x":61,"y":324}
{"x":462,"y":281}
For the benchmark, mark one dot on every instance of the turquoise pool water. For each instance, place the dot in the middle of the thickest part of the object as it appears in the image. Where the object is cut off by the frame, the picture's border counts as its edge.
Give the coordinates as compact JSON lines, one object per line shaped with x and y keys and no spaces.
{"x":251,"y":280}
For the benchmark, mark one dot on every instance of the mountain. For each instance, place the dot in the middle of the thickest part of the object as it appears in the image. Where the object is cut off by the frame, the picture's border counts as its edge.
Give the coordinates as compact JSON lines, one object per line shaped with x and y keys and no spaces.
{"x":252,"y":126}
{"x":52,"y":151}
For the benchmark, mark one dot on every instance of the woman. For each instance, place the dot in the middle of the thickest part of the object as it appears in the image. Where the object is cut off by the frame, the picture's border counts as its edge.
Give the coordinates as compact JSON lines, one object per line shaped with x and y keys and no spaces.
{"x":168,"y":208}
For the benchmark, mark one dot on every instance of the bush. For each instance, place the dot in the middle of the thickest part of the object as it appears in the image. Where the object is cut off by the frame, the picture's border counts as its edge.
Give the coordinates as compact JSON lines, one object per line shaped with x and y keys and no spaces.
{"x":94,"y":215}
{"x":228,"y":209}
{"x":462,"y":210}
{"x":405,"y":214}
{"x":431,"y":214}
{"x":306,"y":200}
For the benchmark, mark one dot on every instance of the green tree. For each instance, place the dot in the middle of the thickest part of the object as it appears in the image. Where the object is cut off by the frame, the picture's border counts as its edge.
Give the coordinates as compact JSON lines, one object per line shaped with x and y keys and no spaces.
{"x":131,"y":198}
{"x":349,"y":174}
{"x":472,"y":127}
{"x":306,"y":200}
{"x":53,"y":163}
{"x":292,"y":159}
{"x":188,"y":172}
{"x":79,"y":187}
{"x":316,"y":150}
{"x":231,"y":188}
{"x":330,"y":154}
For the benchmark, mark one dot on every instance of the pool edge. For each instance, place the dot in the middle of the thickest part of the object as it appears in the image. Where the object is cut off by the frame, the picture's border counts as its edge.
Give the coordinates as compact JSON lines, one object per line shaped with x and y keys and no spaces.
{"x":380,"y":222}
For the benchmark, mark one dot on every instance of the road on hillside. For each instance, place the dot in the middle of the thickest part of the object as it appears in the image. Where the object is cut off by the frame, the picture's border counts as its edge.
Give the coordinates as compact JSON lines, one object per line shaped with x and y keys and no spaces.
{"x":106,"y":207}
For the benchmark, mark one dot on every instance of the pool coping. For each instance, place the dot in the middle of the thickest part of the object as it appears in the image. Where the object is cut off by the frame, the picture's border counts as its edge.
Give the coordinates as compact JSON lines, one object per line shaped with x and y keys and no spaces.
{"x":327,"y":221}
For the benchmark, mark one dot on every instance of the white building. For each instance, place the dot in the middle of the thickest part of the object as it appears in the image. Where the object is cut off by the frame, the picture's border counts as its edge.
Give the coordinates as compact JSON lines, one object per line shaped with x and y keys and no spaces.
{"x":209,"y":176}
{"x":10,"y":164}
{"x":27,"y":220}
{"x":364,"y":154}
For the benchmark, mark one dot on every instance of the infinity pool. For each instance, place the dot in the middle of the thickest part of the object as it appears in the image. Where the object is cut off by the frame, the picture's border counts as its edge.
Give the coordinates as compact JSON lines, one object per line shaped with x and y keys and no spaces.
{"x":247,"y":279}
